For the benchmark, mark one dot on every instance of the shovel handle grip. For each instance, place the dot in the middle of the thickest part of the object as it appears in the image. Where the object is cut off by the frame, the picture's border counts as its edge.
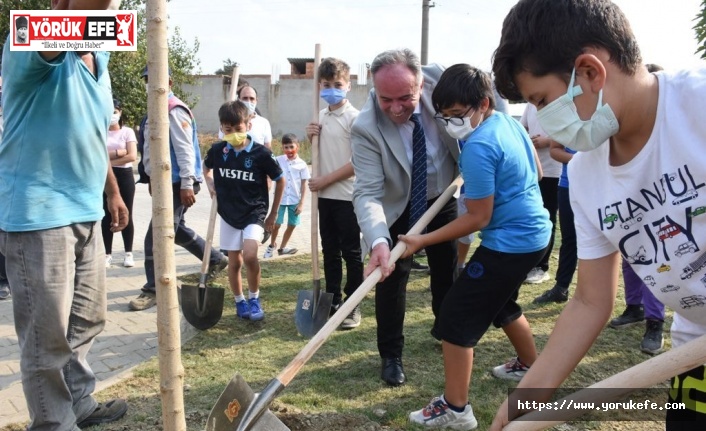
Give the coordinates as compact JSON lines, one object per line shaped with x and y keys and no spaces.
{"x":291,"y":370}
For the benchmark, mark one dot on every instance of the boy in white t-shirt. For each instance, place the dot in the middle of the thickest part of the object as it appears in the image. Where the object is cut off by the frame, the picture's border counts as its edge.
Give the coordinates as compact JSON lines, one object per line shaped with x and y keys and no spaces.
{"x":297,"y":173}
{"x":638,"y":181}
{"x":338,"y":225}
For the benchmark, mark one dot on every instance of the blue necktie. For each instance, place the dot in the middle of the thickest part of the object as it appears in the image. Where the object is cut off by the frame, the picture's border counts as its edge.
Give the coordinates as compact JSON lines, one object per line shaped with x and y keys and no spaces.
{"x":418,"y":199}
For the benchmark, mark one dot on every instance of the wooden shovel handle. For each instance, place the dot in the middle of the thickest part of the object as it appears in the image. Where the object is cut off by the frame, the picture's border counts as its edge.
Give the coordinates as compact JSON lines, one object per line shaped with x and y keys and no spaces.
{"x":291,"y":370}
{"x":235,"y":77}
{"x":643,"y":375}
{"x":209,"y":238}
{"x":314,"y":173}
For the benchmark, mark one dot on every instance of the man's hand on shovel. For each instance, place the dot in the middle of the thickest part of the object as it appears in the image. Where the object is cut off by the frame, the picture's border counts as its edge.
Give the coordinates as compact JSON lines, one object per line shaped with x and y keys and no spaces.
{"x":379,"y":258}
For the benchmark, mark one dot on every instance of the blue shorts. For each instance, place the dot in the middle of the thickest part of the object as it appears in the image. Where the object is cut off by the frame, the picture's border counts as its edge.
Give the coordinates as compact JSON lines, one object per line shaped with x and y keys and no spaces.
{"x":292,"y":218}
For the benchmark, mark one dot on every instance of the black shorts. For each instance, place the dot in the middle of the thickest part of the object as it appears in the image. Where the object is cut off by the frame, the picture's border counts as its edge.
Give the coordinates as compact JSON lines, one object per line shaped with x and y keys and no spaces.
{"x":485,"y":292}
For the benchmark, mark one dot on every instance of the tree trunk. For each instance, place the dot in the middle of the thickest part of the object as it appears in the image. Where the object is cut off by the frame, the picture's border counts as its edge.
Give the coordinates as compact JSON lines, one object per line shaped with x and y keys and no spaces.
{"x":171,"y":370}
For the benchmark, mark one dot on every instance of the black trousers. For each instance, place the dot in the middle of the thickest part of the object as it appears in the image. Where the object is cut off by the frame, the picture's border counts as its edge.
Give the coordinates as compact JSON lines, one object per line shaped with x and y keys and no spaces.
{"x":391,"y":294}
{"x":126,"y":185}
{"x":567,"y":252}
{"x":548,"y":188}
{"x":340,"y":241}
{"x":184,"y":236}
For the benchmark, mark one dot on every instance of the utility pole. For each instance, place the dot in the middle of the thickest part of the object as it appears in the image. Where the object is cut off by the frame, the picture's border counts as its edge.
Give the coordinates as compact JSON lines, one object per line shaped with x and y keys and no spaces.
{"x":425,"y":29}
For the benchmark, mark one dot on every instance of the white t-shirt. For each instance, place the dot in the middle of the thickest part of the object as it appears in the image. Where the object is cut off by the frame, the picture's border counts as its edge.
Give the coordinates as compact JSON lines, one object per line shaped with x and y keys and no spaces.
{"x":653,"y":209}
{"x":118,"y":139}
{"x":261,"y":131}
{"x":550,"y":167}
{"x":335,"y":149}
{"x":294,"y":172}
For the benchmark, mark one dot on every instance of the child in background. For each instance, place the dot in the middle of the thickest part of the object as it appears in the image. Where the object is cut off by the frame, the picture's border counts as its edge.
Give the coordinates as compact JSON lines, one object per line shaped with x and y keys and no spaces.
{"x":296,"y":173}
{"x":338,"y":225}
{"x":236,"y":171}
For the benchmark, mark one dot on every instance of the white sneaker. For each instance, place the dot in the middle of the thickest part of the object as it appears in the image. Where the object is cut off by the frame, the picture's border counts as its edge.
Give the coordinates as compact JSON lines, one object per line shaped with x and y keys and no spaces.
{"x":438,"y":414}
{"x":128,"y":262}
{"x":269,"y":252}
{"x":536,"y":276}
{"x":286,"y":250}
{"x":108,"y":260}
{"x":512,"y":370}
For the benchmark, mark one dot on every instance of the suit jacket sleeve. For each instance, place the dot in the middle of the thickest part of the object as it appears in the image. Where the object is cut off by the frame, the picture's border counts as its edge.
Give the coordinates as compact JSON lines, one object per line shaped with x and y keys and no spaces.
{"x":368,"y":191}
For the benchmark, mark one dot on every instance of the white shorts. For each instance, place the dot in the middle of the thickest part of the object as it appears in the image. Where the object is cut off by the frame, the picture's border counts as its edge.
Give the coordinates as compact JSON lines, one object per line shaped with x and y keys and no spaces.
{"x":232,"y":238}
{"x":461,"y":206}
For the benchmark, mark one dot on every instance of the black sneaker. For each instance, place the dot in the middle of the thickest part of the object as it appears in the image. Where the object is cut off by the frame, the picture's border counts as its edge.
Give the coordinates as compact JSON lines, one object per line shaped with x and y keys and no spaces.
{"x":418,"y":267}
{"x":555,"y":294}
{"x":215,"y":268}
{"x":633,"y":314}
{"x":104,"y":413}
{"x":352,"y":320}
{"x":652,"y":341}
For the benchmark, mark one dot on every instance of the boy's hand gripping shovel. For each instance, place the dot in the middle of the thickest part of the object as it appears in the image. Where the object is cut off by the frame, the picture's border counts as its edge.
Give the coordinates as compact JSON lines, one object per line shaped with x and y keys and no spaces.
{"x":203,"y":306}
{"x":313,"y":306}
{"x":256,"y":412}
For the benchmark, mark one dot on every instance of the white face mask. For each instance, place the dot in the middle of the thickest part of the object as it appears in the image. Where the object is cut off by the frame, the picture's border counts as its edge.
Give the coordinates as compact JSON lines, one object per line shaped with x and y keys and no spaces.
{"x":463,"y":131}
{"x":114,"y":119}
{"x":251,"y":107}
{"x":561,"y":121}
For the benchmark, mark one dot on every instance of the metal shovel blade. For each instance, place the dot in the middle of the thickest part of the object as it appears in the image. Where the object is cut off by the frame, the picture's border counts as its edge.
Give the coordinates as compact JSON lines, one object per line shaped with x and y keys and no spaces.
{"x":228,"y":412}
{"x":202,"y":306}
{"x":310,"y":314}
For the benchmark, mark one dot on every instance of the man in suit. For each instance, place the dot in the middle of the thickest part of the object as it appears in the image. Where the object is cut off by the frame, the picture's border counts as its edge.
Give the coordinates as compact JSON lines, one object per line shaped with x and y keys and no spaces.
{"x":383,"y":139}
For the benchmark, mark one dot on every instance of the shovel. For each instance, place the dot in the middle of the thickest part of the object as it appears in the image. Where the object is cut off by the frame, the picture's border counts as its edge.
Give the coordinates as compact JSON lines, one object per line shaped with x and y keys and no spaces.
{"x":203,"y":306}
{"x":313,"y":306}
{"x":257,"y":411}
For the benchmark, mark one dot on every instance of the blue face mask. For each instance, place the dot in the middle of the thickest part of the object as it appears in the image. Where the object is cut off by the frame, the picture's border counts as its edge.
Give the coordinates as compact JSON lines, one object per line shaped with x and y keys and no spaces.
{"x":333,"y":96}
{"x":562,"y":123}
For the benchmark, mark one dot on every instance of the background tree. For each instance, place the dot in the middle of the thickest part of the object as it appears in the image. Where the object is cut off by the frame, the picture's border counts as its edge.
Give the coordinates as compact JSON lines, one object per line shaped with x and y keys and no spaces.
{"x":700,"y":28}
{"x":227,"y":68}
{"x":126,"y":67}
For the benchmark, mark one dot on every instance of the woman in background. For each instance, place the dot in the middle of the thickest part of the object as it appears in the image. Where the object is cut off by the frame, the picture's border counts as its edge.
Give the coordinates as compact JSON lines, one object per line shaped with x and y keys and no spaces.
{"x":122,"y":150}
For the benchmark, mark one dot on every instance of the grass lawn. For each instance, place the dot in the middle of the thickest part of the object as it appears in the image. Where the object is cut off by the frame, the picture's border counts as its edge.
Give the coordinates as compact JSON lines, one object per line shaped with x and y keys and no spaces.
{"x":340,"y":387}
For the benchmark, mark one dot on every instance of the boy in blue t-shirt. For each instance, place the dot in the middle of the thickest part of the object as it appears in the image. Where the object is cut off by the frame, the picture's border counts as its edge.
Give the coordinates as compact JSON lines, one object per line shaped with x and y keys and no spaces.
{"x":502,"y":196}
{"x":236,"y":171}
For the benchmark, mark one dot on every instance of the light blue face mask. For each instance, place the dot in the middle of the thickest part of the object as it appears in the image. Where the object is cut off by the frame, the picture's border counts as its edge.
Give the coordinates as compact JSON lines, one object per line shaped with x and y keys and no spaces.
{"x":561,"y":121}
{"x":251,"y":106}
{"x":333,"y":96}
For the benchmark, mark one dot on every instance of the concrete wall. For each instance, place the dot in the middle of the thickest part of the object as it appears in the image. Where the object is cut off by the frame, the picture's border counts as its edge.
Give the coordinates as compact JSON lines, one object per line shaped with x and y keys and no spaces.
{"x":288,"y":105}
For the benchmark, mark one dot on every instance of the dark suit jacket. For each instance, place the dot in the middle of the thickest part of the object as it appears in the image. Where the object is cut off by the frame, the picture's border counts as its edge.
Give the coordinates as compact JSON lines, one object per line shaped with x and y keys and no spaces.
{"x":383,"y":173}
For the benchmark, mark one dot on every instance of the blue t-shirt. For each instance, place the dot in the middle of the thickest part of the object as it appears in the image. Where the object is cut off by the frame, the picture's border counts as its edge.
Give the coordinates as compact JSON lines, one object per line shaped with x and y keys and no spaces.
{"x":497,"y":160}
{"x":53,"y":159}
{"x":564,"y":178}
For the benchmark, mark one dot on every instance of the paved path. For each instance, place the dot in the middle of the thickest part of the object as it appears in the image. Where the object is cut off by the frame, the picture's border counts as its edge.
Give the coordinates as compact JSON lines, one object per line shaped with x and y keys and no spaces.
{"x":129,"y":337}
